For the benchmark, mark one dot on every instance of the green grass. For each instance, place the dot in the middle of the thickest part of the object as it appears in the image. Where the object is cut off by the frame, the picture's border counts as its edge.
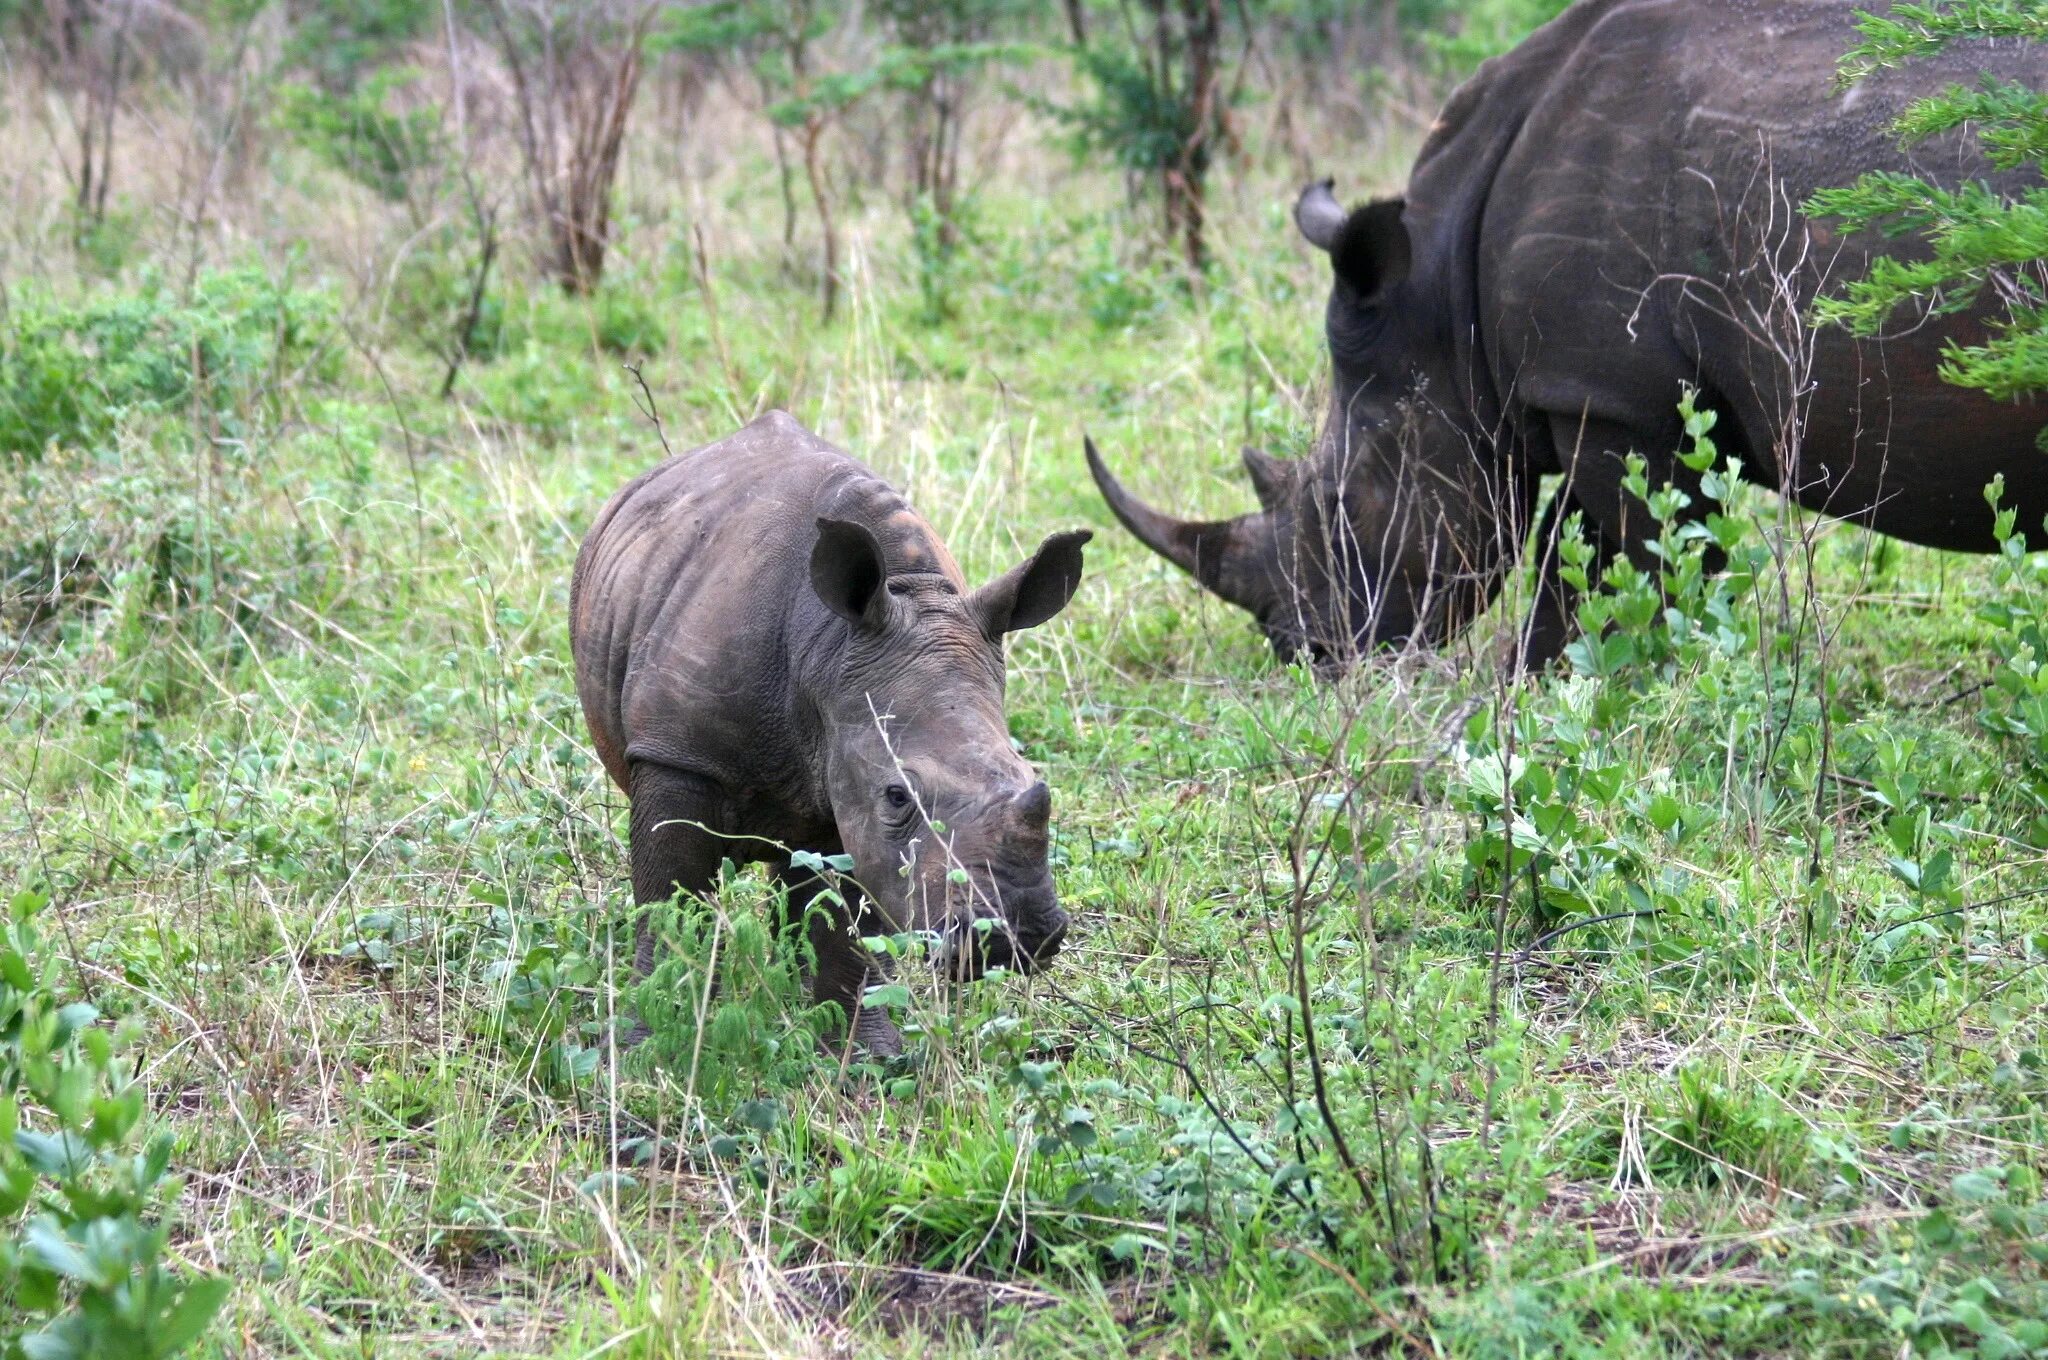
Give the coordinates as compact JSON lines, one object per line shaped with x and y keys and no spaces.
{"x":297,"y":754}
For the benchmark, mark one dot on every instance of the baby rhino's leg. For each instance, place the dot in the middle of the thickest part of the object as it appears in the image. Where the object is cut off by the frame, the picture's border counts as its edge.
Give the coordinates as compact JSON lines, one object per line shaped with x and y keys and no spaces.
{"x":673,"y":843}
{"x":845,"y":970}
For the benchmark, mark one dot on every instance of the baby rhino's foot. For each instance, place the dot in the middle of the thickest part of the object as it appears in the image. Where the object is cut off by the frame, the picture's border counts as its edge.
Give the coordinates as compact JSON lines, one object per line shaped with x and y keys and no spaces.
{"x":872,"y":1034}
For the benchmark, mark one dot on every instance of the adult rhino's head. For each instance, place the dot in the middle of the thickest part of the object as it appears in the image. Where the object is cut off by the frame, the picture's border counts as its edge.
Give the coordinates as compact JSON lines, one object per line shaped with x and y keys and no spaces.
{"x":945,"y":822}
{"x":1382,"y":536}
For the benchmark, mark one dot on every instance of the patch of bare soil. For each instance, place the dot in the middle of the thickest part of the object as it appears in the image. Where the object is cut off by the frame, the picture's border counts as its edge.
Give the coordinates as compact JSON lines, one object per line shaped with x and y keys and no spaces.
{"x":904,"y":1299}
{"x":1628,"y":1232}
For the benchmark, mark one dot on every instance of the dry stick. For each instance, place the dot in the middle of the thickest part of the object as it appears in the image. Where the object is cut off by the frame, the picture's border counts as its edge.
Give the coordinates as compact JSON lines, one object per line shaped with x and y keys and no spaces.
{"x":1523,"y":955}
{"x":204,"y":195}
{"x":653,"y":415}
{"x":1179,"y":1062}
{"x":1298,"y":923}
{"x":465,"y":335}
{"x":412,"y":457}
{"x":814,"y":132}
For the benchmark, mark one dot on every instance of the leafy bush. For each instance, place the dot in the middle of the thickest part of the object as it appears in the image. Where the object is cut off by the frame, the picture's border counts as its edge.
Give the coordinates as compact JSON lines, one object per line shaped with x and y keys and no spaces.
{"x":357,"y":134}
{"x":1487,"y":28}
{"x":1156,"y":105}
{"x":337,"y":40}
{"x":71,"y":373}
{"x":2016,"y":703}
{"x":82,"y":1245}
{"x":726,"y":1007}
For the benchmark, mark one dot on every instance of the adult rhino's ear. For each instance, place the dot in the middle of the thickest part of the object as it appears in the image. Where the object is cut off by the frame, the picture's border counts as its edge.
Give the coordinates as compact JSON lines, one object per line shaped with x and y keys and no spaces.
{"x":848,"y":572}
{"x":1033,"y":591}
{"x":1318,"y":216}
{"x":1371,"y":252}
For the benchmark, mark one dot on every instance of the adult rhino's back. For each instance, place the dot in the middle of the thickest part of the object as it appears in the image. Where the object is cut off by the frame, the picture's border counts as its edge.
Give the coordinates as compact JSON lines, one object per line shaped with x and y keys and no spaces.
{"x":1645,"y":230}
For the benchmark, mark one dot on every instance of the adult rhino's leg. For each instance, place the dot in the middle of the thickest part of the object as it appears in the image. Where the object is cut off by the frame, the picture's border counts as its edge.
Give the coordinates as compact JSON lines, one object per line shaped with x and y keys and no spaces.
{"x":1552,"y":621}
{"x":673,"y":841}
{"x":842,"y":969}
{"x":1595,"y":455}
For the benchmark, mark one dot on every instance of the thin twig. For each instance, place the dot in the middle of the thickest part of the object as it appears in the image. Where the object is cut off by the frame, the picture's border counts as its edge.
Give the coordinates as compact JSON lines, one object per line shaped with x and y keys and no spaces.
{"x":649,"y":410}
{"x":1549,"y":935}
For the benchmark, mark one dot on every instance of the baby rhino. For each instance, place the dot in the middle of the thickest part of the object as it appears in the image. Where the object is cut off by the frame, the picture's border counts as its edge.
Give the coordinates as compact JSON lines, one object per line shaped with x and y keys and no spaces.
{"x":775,"y":653}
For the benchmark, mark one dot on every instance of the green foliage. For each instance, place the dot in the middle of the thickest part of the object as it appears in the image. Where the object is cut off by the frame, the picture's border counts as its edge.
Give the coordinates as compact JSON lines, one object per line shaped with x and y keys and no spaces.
{"x":1943,"y":1291}
{"x":359,"y":135}
{"x":1135,"y":118}
{"x":726,"y":1009}
{"x":1908,"y":30}
{"x":782,"y":41}
{"x":1468,"y":34}
{"x":71,"y":373}
{"x":339,"y":41}
{"x":1980,"y":239}
{"x":83,"y":1268}
{"x":2016,"y":703}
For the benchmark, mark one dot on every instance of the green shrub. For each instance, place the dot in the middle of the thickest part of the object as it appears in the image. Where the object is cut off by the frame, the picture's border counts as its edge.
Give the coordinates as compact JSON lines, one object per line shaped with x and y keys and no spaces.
{"x":357,"y":134}
{"x":727,"y":1007}
{"x":2016,"y":702}
{"x":70,"y":373}
{"x":1487,"y":28}
{"x":82,"y":1243}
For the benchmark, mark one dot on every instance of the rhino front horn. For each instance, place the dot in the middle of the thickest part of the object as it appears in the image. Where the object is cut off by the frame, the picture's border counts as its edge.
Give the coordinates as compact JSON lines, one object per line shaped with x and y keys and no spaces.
{"x":1034,"y":805}
{"x":1208,"y":550}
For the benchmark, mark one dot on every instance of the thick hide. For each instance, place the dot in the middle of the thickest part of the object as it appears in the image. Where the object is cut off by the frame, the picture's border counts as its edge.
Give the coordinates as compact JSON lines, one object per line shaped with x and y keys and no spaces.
{"x":1600,"y":219}
{"x":775,"y":653}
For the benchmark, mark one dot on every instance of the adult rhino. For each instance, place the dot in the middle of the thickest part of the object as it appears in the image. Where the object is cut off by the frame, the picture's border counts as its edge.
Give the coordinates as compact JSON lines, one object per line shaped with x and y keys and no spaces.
{"x":1600,"y":219}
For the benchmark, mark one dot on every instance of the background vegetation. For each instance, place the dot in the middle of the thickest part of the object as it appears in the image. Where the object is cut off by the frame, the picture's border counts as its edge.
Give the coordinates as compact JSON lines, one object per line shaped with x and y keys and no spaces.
{"x":1689,"y":1000}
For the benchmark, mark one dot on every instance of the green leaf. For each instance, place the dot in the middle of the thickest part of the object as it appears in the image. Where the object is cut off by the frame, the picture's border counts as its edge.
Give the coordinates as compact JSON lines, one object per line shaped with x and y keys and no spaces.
{"x":607,"y":1182}
{"x":62,"y":1154}
{"x":47,"y":1246}
{"x":889,"y":995}
{"x":1974,"y":1187}
{"x":197,"y":1304}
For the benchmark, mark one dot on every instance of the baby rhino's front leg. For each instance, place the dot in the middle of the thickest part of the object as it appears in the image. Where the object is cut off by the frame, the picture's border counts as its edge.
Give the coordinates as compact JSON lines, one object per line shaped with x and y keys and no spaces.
{"x":844,"y":968}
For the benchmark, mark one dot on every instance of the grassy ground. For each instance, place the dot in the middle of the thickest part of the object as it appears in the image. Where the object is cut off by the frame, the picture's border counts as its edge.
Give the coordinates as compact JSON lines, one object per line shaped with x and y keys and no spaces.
{"x":301,"y":764}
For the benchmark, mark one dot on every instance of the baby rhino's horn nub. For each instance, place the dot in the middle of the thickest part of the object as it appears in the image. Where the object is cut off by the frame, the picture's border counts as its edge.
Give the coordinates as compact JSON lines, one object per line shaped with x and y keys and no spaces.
{"x":1034,"y":805}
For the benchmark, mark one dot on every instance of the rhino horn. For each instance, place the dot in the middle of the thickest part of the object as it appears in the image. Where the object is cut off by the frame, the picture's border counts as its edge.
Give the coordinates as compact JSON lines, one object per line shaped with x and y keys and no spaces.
{"x":1319,"y":215}
{"x":1272,"y":478}
{"x":1034,"y":805}
{"x":1208,"y":550}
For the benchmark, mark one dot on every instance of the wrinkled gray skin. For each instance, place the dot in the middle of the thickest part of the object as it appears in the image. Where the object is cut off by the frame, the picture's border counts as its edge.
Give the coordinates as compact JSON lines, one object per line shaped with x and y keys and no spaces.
{"x":775,"y":653}
{"x":1599,"y":219}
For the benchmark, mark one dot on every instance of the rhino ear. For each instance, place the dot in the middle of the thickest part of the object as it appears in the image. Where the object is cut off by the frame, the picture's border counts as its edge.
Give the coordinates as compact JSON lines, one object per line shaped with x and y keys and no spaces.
{"x":848,"y":572}
{"x":1034,"y":590}
{"x":1272,"y":478}
{"x":1371,"y":252}
{"x":1318,"y":215}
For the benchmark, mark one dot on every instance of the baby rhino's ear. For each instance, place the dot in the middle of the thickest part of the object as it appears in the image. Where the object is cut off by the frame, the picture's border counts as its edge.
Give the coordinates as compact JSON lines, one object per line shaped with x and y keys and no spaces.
{"x":1034,"y":590}
{"x":848,"y":572}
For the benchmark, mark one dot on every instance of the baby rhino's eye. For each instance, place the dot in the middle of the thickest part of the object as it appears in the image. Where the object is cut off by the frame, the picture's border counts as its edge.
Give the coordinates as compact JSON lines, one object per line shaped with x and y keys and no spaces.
{"x":897,"y":797}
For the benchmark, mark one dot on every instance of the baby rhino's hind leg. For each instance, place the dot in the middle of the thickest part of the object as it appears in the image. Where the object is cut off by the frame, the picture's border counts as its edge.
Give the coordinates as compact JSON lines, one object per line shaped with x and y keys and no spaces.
{"x":673,"y":841}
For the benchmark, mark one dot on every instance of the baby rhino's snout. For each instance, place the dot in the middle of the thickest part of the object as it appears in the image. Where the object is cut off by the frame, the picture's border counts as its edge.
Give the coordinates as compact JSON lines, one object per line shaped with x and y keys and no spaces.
{"x":1011,"y":917}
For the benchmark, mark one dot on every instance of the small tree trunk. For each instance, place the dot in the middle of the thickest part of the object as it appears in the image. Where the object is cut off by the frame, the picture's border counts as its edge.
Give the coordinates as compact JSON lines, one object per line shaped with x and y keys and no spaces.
{"x":814,"y":133}
{"x":1203,"y":20}
{"x":1077,"y":23}
{"x":573,"y":107}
